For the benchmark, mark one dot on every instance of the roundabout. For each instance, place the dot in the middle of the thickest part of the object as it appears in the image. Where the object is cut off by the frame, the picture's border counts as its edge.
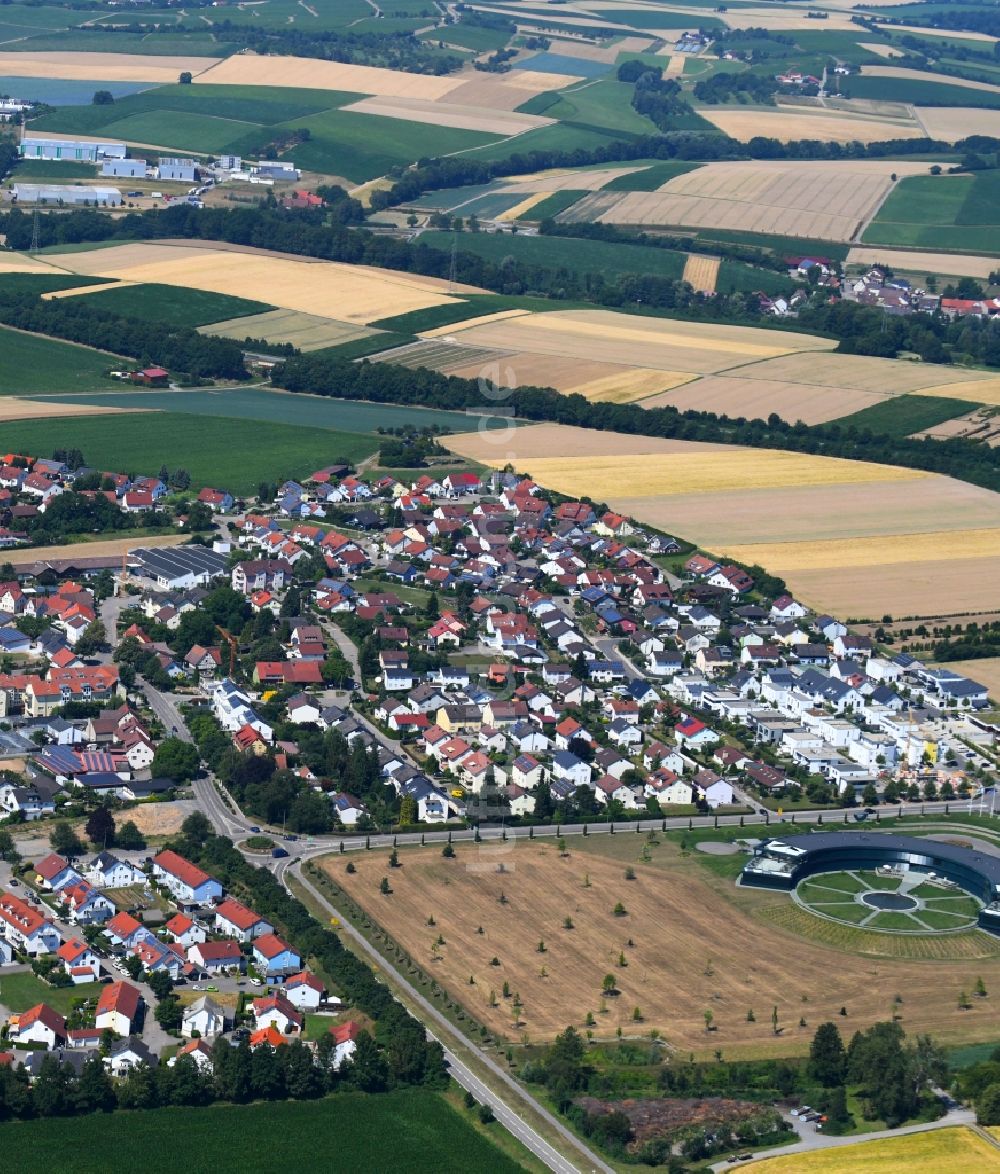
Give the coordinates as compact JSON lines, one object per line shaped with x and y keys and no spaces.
{"x":889,"y":900}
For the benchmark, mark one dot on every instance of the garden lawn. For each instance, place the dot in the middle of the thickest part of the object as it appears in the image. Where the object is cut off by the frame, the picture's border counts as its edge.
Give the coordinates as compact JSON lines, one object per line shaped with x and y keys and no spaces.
{"x":410,"y":1131}
{"x":23,"y":989}
{"x":32,"y":363}
{"x":234,"y":454}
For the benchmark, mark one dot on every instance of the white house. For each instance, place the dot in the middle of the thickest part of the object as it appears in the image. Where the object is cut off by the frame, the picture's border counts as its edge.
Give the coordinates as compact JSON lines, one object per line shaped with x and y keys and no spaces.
{"x":205,"y":1017}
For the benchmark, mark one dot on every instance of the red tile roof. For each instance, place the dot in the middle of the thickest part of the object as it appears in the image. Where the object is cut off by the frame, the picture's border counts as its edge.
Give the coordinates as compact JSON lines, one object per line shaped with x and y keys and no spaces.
{"x":186,"y":872}
{"x":121,"y":997}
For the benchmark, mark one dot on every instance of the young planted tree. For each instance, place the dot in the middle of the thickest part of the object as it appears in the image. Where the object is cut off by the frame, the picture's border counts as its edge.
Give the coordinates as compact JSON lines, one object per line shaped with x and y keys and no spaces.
{"x":709,"y":1019}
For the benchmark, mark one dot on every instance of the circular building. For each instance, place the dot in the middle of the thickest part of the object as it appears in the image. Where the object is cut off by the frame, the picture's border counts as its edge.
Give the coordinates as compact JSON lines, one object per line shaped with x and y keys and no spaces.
{"x":784,"y":864}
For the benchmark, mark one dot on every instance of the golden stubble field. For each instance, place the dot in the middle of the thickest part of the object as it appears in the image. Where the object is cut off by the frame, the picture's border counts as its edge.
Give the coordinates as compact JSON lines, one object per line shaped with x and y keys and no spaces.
{"x":789,"y":123}
{"x":349,"y":293}
{"x":824,"y":200}
{"x":856,"y":539}
{"x":690,"y":942}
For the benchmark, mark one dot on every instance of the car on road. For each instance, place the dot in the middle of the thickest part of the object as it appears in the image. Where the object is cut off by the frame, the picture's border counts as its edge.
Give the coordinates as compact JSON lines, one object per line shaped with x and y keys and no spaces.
{"x":198,"y":987}
{"x":213,"y":989}
{"x":291,"y":838}
{"x":278,"y":853}
{"x":254,"y":828}
{"x":14,"y":882}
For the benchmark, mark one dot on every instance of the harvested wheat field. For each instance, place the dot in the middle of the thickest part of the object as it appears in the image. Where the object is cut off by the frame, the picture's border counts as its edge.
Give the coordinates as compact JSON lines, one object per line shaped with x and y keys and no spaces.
{"x":986,"y":671}
{"x":827,"y":201}
{"x":782,"y":517}
{"x":585,"y":180}
{"x":653,"y":343}
{"x":109,"y":548}
{"x":356,"y":294}
{"x":952,"y":123}
{"x":466,"y":323}
{"x":883,"y":377}
{"x":954,"y":1150}
{"x":630,"y":385}
{"x":904,"y":261}
{"x":881,"y":49}
{"x":307,"y":73}
{"x":786,"y":125}
{"x":22,"y":263}
{"x":711,"y":924}
{"x":308,"y":332}
{"x":758,"y":398}
{"x":701,"y":272}
{"x":502,"y":122}
{"x":12,"y":408}
{"x":103,"y":67}
{"x":851,"y":538}
{"x":523,"y":208}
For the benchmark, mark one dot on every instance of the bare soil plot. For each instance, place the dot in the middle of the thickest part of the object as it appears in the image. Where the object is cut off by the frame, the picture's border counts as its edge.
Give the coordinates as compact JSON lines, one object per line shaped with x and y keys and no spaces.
{"x":652,"y":343}
{"x":348,"y":293}
{"x":103,"y":67}
{"x":952,"y":123}
{"x":825,"y":201}
{"x":109,"y":548}
{"x":884,"y":377}
{"x":696,"y":943}
{"x":307,"y":73}
{"x":903,"y":74}
{"x":701,"y":272}
{"x":787,"y":124}
{"x":758,"y":398}
{"x":902,"y":260}
{"x":12,"y":408}
{"x":160,"y":819}
{"x":308,"y":332}
{"x":447,"y":114}
{"x":606,"y":53}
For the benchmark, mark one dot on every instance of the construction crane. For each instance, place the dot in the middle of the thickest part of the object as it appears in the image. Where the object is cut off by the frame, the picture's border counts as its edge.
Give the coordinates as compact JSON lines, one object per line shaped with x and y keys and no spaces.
{"x":230,"y":639}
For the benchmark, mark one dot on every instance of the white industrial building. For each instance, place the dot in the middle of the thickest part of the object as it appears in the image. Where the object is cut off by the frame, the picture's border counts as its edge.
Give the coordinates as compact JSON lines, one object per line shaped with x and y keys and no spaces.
{"x":70,"y":150}
{"x":124,"y":168}
{"x":182,"y":170}
{"x":71,"y":194}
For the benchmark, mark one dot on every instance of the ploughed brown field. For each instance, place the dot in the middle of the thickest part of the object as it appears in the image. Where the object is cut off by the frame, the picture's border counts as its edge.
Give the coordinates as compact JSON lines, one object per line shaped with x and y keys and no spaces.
{"x":697,"y":944}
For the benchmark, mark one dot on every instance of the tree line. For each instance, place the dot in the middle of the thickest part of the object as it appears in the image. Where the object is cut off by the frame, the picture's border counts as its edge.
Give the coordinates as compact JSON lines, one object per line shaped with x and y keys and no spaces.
{"x":179,"y":348}
{"x":326,"y":374}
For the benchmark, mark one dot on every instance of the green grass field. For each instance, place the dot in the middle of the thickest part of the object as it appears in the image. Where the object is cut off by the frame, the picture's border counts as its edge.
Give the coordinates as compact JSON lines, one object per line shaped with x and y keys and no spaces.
{"x":252,"y":404}
{"x":39,"y":283}
{"x":650,"y":178}
{"x":580,"y":256}
{"x":23,"y":989}
{"x":960,"y":212}
{"x":917,"y":92}
{"x":409,"y":1131}
{"x":244,"y":119}
{"x":605,"y":104}
{"x":782,"y":246}
{"x":552,"y":205}
{"x":229,"y":452}
{"x":32,"y":363}
{"x":905,"y":414}
{"x":174,"y":305}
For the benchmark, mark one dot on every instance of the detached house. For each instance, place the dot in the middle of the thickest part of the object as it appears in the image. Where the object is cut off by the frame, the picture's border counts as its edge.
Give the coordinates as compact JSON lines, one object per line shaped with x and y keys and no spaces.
{"x":185,"y":880}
